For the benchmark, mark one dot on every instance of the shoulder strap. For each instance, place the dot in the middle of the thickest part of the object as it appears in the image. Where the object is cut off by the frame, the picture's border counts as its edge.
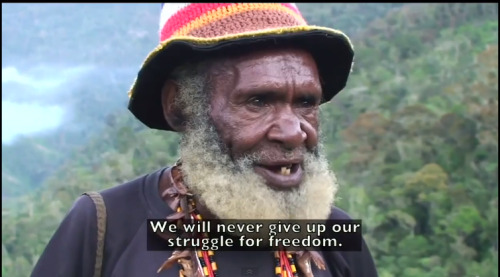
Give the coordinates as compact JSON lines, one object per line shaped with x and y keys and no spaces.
{"x":101,"y":229}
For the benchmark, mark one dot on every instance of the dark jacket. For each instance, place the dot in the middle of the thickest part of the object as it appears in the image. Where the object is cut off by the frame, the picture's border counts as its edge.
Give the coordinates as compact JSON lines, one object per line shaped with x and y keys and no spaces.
{"x":72,"y":250}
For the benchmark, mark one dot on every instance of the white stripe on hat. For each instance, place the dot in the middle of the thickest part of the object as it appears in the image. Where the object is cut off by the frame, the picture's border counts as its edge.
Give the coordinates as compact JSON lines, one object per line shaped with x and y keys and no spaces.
{"x":168,"y":10}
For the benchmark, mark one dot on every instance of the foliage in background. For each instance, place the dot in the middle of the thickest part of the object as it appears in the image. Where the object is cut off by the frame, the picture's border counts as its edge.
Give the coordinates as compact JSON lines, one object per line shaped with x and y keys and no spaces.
{"x":413,"y":139}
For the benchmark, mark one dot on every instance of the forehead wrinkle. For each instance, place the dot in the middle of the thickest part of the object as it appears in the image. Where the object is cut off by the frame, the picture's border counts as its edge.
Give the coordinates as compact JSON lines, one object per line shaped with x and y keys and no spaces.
{"x":289,"y":65}
{"x":273,"y":81}
{"x":270,"y":70}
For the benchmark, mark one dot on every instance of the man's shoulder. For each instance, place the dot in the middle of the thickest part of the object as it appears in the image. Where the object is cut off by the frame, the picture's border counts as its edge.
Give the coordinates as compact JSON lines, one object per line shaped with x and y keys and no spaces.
{"x":131,"y":188}
{"x":123,"y":194}
{"x":131,"y":196}
{"x":339,"y":214}
{"x":352,"y":263}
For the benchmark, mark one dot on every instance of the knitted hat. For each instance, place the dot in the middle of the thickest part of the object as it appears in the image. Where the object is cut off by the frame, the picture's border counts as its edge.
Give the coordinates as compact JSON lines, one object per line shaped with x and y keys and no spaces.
{"x":197,"y":30}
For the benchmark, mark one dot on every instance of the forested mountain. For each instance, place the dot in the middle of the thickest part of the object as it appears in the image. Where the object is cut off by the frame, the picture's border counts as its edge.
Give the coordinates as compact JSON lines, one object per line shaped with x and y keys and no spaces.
{"x":113,"y":40}
{"x":413,"y":137}
{"x":110,"y":39}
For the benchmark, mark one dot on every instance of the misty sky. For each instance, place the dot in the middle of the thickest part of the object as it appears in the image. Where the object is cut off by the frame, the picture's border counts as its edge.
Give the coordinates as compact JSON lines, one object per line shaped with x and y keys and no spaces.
{"x":33,"y":81}
{"x":23,"y":109}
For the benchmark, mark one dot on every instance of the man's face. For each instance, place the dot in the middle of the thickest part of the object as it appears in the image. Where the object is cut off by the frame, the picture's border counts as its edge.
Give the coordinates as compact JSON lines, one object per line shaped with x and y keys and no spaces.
{"x":266,"y":104}
{"x":252,"y":151}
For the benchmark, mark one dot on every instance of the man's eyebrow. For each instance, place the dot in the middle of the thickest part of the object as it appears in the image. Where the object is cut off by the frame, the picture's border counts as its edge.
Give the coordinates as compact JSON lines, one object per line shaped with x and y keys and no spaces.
{"x":262,"y":92}
{"x":277,"y":94}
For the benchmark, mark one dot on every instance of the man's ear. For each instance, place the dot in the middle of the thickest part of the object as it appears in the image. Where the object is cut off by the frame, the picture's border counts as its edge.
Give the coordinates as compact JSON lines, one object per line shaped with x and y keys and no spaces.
{"x":172,"y":113}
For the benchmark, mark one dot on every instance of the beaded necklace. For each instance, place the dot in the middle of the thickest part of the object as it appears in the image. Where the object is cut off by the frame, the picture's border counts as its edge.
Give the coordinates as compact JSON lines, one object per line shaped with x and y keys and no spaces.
{"x":284,"y":262}
{"x":205,"y":265}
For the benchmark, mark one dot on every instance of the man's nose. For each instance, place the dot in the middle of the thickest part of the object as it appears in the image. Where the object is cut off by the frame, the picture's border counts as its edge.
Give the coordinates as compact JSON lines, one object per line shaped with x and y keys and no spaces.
{"x":287,"y":130}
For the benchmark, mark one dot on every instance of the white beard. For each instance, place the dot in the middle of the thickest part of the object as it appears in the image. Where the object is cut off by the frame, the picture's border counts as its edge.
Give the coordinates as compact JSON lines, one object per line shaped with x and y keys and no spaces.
{"x":232,"y":190}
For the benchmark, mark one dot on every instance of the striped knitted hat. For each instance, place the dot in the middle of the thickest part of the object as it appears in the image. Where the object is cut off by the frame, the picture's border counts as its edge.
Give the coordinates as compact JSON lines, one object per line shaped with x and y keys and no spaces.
{"x":197,"y":30}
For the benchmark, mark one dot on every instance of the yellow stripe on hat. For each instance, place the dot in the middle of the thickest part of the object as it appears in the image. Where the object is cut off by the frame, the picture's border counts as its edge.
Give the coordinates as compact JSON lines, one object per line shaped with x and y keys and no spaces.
{"x":223,"y":12}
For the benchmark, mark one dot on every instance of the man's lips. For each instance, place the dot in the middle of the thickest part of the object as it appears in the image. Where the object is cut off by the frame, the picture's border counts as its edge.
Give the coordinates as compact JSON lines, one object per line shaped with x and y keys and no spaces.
{"x":281,"y":175}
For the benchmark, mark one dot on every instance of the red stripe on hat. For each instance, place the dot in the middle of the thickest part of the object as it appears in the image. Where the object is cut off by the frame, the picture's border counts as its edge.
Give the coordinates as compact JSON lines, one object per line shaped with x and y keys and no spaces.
{"x":186,"y":15}
{"x":291,"y":7}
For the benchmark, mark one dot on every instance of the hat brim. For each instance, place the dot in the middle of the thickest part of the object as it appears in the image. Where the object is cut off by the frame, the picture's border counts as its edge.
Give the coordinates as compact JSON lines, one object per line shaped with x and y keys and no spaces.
{"x":331,"y":49}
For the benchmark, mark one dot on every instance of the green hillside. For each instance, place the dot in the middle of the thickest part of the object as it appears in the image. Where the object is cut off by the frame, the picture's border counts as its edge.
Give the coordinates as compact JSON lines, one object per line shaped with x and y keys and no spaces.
{"x":78,"y":33}
{"x":116,"y":37}
{"x":113,"y":38}
{"x":413,"y":139}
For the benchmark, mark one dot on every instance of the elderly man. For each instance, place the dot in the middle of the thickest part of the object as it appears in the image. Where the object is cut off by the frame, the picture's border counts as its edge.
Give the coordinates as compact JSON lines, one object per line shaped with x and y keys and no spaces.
{"x":242,"y":83}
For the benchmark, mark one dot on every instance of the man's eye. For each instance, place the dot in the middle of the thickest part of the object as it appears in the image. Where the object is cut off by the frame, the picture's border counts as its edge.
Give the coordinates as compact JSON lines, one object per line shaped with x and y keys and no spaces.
{"x":307,"y":102}
{"x":257,"y":101}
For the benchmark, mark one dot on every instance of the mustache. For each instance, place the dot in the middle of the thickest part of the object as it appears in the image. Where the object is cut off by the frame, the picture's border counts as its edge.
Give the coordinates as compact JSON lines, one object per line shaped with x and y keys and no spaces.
{"x":276,"y":153}
{"x":205,"y":128}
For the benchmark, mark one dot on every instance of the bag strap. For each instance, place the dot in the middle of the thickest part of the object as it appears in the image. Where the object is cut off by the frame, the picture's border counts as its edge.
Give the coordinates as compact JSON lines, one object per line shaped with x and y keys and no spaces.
{"x":101,"y":230}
